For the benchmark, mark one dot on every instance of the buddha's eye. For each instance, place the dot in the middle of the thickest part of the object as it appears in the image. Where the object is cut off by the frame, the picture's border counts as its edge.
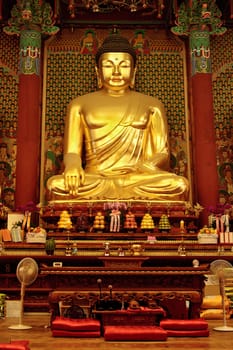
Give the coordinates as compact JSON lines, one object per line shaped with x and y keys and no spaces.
{"x":125,"y":64}
{"x":107,"y":64}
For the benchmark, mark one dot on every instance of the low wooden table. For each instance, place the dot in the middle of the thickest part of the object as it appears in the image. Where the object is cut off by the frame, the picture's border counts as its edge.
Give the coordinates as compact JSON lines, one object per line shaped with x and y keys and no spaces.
{"x":130,"y":317}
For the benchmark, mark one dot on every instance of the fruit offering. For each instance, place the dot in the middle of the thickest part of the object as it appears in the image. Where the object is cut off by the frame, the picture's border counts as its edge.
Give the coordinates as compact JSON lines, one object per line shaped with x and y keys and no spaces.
{"x":99,"y":223}
{"x":147,"y":222}
{"x":208,"y":230}
{"x":130,"y":222}
{"x":164,"y":224}
{"x":65,"y":220}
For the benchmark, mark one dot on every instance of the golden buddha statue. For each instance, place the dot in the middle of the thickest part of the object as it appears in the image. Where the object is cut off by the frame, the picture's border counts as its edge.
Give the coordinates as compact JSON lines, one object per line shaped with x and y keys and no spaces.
{"x":124,"y":135}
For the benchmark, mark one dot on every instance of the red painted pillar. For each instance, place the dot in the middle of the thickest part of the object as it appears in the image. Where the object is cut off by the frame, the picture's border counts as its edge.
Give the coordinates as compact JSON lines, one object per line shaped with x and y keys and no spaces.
{"x":28,"y":141}
{"x":28,"y":129}
{"x":30,"y":20}
{"x":205,"y":169}
{"x":199,"y":20}
{"x":205,"y":163}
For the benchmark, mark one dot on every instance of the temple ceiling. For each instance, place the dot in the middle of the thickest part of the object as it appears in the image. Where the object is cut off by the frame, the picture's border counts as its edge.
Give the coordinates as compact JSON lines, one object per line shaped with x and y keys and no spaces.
{"x":156,"y":13}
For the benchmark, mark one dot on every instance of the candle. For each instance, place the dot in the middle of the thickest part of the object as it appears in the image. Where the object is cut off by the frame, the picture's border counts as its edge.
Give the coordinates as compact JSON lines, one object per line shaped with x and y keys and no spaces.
{"x":227,"y":222}
{"x":181,"y":224}
{"x":222,"y":223}
{"x":210,"y":220}
{"x":217,"y":224}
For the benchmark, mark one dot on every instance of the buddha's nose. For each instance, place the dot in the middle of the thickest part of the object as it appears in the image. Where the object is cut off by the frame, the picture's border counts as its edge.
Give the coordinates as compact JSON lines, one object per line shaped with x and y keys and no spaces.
{"x":116,"y":70}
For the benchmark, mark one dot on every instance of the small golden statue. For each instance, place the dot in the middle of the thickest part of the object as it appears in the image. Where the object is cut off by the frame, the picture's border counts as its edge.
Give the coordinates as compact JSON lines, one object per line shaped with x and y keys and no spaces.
{"x":125,"y":137}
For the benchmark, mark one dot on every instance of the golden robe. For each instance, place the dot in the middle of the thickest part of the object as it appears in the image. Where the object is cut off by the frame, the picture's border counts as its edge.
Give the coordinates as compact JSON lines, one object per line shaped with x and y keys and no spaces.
{"x":126,"y":149}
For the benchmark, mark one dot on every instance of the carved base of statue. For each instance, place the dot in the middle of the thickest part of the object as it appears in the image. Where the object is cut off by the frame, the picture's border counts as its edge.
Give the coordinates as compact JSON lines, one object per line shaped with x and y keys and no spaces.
{"x":163,"y":186}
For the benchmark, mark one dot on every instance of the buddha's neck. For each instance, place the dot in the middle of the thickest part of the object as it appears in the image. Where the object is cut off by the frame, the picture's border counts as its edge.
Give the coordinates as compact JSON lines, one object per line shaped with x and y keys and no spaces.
{"x":118,"y":93}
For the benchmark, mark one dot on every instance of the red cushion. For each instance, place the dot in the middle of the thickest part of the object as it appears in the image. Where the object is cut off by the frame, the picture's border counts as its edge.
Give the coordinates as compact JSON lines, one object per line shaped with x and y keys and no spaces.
{"x":15,"y":345}
{"x":75,"y":334}
{"x":184,"y":325}
{"x":70,"y":324}
{"x":197,"y":333}
{"x":134,"y":333}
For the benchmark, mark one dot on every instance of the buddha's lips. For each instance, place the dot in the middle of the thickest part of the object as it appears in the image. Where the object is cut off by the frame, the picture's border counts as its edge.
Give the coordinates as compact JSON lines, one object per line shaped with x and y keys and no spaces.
{"x":116,"y":79}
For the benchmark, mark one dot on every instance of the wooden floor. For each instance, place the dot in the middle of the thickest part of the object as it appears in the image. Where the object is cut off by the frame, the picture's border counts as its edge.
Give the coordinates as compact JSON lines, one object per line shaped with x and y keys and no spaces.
{"x":40,"y":338}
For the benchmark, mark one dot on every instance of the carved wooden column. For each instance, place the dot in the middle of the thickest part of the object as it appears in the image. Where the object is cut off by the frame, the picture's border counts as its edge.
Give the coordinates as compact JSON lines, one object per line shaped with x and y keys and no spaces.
{"x":30,"y":19}
{"x":199,"y":20}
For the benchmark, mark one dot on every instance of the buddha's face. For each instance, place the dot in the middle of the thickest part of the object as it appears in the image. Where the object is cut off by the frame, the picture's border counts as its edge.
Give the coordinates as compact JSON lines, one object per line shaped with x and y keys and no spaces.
{"x":116,"y":71}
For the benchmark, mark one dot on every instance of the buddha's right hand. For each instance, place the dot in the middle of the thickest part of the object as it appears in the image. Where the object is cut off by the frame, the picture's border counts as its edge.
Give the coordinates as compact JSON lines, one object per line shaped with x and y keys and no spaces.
{"x":74,"y":177}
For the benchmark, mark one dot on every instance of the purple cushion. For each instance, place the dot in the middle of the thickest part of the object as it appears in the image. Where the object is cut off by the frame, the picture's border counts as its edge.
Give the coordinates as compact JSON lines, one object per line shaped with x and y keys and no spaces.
{"x":134,"y":333}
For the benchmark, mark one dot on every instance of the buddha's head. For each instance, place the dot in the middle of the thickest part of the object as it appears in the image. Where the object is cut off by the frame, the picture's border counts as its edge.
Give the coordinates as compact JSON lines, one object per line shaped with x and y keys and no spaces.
{"x":116,"y":63}
{"x":116,"y":43}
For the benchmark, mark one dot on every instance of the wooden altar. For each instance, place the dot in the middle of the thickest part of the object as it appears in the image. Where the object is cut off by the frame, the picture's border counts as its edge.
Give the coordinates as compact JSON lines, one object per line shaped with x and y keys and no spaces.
{"x":162,"y":262}
{"x":145,"y":275}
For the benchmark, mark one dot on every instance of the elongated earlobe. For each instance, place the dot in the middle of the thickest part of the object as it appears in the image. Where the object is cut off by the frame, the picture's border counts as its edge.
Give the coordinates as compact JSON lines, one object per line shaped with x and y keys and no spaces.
{"x":132,"y":83}
{"x":99,"y":81}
